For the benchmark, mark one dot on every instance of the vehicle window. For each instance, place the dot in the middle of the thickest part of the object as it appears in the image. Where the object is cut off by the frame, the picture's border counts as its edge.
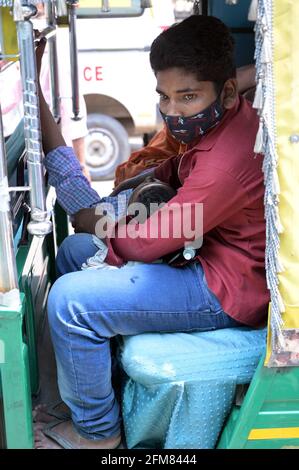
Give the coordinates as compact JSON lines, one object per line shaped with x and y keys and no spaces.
{"x":101,"y":9}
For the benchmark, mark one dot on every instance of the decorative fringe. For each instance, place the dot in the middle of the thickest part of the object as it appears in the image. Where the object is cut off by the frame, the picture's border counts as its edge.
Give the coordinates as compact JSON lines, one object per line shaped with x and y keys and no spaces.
{"x":280,"y":302}
{"x":280,"y":341}
{"x":252,"y":13}
{"x":266,"y":144}
{"x":266,"y":55}
{"x":279,"y":266}
{"x":279,"y":226}
{"x":258,"y":98}
{"x":258,"y":146}
{"x":276,"y":184}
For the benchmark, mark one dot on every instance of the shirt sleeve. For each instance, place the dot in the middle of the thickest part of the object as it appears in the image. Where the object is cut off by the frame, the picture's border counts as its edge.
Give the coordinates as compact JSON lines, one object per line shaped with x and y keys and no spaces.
{"x":208,"y":197}
{"x":168,"y":171}
{"x":73,"y":190}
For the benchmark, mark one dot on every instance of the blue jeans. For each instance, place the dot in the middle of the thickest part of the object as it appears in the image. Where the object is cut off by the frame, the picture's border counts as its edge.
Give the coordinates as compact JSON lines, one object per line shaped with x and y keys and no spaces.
{"x":87,"y":308}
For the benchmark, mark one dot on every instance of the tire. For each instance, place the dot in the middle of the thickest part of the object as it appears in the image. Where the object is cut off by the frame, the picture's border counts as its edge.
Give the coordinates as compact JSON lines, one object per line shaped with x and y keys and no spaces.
{"x":106,"y":146}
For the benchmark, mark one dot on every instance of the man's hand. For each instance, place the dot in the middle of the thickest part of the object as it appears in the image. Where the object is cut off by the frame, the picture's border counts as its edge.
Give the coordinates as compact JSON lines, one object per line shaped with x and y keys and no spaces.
{"x":85,"y":220}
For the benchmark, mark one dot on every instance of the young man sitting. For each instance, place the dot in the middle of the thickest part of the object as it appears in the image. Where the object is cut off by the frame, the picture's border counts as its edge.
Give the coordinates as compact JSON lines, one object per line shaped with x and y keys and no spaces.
{"x":222,"y":286}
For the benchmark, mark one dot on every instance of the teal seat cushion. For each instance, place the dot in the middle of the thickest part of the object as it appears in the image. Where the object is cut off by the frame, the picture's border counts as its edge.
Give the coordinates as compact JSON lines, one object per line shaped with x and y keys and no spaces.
{"x":179,"y":387}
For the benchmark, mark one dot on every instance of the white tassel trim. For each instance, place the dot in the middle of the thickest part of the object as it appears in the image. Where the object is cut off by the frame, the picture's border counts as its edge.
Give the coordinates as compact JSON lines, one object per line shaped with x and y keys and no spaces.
{"x":280,"y":303}
{"x":279,"y":266}
{"x":279,"y":226}
{"x":276,"y":184}
{"x":252,"y":13}
{"x":258,"y":146}
{"x":258,"y":98}
{"x":266,"y":53}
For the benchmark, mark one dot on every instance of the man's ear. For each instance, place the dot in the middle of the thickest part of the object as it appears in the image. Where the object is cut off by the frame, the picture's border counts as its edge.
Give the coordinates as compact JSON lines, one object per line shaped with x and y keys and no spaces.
{"x":229,"y":93}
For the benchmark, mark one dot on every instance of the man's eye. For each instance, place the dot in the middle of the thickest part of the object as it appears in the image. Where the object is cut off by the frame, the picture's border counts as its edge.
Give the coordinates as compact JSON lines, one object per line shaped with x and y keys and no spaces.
{"x":163,"y":97}
{"x":188,"y":97}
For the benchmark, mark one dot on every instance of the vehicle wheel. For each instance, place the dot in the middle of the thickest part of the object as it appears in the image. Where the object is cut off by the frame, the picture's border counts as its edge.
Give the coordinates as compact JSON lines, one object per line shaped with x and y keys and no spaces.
{"x":106,"y":146}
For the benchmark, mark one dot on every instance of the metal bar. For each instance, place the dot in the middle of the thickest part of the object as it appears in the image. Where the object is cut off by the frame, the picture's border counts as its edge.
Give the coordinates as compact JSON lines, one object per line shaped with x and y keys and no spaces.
{"x":8,"y":269}
{"x":16,"y":189}
{"x":61,"y":8}
{"x":53,"y":64}
{"x":40,"y":223}
{"x":105,"y":6}
{"x":74,"y":58}
{"x":9,"y":56}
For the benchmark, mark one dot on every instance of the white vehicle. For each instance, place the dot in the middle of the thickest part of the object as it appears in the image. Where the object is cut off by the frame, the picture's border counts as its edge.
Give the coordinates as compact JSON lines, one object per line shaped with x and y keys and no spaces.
{"x":115,"y":76}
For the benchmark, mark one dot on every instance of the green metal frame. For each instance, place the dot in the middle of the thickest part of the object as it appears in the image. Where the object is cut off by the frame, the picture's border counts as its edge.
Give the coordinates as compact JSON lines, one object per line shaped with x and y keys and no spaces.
{"x":35,"y":289}
{"x":19,"y":331}
{"x":269,"y":415}
{"x":15,"y":381}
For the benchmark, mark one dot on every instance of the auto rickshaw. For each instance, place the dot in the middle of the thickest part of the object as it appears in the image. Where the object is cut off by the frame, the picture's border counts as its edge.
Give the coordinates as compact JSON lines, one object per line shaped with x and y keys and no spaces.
{"x":219,"y":389}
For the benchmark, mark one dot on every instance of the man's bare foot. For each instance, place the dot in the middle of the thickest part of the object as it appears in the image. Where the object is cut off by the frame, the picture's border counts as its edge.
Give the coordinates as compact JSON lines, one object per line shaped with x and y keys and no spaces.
{"x":41,"y":441}
{"x":62,"y":435}
{"x":46,"y":413}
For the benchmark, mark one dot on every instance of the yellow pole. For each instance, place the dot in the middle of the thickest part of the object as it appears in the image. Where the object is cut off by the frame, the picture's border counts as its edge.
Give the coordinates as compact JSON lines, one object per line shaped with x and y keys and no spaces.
{"x":8,"y":37}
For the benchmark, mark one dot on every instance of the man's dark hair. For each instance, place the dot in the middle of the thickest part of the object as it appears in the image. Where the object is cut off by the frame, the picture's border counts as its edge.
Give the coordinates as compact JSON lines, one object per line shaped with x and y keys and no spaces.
{"x":202,"y":45}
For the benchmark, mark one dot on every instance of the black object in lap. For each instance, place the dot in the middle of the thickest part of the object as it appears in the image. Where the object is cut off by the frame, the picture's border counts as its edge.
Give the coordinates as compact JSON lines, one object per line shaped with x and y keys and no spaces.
{"x":151,"y":193}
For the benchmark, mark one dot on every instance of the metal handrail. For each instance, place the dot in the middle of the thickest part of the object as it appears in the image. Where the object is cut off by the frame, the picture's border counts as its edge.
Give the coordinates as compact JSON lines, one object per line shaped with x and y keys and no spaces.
{"x":53,"y":63}
{"x":72,"y":5}
{"x":40,"y":223}
{"x":105,"y":6}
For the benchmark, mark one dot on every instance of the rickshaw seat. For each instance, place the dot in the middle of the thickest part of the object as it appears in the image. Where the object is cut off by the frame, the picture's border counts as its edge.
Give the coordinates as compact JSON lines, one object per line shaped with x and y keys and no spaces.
{"x":179,"y":387}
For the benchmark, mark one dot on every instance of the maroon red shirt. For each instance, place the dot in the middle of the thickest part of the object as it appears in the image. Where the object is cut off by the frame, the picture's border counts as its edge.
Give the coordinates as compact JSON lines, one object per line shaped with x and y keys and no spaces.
{"x":224,"y":174}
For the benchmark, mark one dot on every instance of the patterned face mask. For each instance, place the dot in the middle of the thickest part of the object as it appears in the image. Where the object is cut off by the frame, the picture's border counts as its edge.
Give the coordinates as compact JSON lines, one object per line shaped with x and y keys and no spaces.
{"x":186,"y":129}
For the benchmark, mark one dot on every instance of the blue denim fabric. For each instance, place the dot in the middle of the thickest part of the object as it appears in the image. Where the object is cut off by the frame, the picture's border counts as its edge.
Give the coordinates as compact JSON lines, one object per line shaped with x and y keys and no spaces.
{"x":87,"y":308}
